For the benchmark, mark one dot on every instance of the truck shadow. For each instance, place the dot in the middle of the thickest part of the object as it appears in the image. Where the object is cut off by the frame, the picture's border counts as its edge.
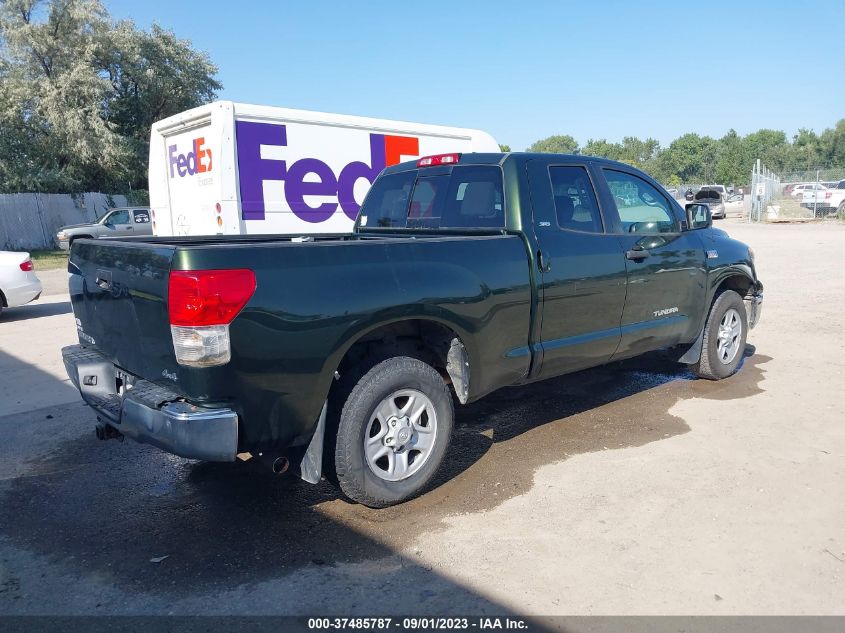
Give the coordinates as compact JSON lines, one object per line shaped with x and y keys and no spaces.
{"x":35,"y":310}
{"x":105,"y":509}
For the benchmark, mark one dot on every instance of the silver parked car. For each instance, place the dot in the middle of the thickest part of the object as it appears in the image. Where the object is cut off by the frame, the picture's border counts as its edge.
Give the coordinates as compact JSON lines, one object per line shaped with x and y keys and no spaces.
{"x":713,"y":198}
{"x":118,"y":222}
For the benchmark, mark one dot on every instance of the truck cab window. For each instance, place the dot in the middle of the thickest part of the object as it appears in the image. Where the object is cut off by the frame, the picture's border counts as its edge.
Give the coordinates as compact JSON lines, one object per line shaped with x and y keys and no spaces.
{"x":642,"y":208}
{"x":576,"y":206}
{"x":386,"y":204}
{"x":118,"y":217}
{"x":475,"y":198}
{"x":468,"y":197}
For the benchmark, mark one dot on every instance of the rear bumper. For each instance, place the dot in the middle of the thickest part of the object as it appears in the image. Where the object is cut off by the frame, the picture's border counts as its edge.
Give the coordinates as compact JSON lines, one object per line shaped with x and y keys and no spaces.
{"x":151,"y":414}
{"x":28,"y":289}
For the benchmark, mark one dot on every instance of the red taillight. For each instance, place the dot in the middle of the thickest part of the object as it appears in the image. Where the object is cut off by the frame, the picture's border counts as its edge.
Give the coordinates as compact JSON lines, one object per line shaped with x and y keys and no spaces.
{"x":439,"y":159}
{"x":828,"y":194}
{"x":27,"y":266}
{"x":208,"y":297}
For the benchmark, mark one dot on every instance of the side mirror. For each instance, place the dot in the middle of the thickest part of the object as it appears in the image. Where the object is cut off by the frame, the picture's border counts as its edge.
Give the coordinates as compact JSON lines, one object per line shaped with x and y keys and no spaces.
{"x":698,"y":216}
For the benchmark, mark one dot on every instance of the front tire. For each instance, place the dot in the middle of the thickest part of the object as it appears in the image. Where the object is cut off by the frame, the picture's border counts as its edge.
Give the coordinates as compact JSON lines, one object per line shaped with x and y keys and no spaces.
{"x":394,"y":432}
{"x":724,"y":338}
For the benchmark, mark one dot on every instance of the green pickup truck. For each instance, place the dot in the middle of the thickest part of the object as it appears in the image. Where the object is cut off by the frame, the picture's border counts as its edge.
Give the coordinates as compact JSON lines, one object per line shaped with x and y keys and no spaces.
{"x":342,"y":356}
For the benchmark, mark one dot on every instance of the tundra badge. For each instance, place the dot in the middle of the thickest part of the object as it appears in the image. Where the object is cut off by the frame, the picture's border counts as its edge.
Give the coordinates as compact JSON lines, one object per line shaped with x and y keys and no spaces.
{"x":665,"y":311}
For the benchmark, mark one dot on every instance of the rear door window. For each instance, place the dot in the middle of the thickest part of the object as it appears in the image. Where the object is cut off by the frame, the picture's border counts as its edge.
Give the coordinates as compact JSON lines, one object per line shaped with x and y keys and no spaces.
{"x":576,"y":206}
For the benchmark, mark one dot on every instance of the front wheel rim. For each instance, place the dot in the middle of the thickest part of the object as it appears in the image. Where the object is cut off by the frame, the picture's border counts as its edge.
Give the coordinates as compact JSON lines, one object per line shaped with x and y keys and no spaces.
{"x":730,"y":336}
{"x":400,"y":435}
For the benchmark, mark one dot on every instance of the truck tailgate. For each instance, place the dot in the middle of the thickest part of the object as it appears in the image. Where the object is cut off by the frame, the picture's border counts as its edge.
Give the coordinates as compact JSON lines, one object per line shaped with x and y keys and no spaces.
{"x":119,"y":296}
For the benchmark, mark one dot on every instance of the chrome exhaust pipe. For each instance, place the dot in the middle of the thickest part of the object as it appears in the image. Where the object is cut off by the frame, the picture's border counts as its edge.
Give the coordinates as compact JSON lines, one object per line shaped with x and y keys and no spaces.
{"x":280,"y":465}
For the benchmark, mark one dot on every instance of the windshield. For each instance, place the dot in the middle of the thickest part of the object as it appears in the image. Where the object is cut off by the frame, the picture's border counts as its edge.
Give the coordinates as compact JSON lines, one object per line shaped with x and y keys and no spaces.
{"x":468,"y":196}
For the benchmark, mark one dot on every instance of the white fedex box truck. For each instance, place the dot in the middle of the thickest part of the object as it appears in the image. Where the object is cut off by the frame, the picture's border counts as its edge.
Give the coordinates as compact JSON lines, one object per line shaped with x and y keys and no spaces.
{"x":230,"y":168}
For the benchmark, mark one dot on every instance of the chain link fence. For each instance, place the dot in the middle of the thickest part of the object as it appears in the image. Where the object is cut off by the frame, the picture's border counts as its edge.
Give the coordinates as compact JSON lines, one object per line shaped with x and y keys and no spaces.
{"x":802,"y":195}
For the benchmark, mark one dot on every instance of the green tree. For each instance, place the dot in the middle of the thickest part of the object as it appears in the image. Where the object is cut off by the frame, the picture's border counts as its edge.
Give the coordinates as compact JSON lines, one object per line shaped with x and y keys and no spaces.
{"x":691,"y":157}
{"x":640,"y":153}
{"x":78,"y":93}
{"x":504,"y":148}
{"x":805,"y":151}
{"x":559,"y":144}
{"x":770,"y":146}
{"x":832,"y":146}
{"x":733,"y":165}
{"x":603,"y":149}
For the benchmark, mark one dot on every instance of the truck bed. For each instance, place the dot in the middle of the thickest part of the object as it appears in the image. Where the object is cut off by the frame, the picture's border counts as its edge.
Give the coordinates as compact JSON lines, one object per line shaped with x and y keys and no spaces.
{"x":288,"y":336}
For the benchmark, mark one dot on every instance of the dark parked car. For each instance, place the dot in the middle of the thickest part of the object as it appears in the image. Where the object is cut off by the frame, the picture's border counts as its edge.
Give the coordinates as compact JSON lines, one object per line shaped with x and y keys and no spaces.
{"x":345,"y":354}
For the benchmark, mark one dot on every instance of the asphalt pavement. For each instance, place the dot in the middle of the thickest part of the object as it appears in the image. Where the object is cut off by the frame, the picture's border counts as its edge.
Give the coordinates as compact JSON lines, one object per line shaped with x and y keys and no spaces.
{"x":627,"y":489}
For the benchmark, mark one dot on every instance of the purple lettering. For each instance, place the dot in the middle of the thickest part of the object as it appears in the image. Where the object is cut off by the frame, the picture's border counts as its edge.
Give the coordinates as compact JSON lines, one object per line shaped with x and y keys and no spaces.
{"x":254,"y":170}
{"x":296,"y":188}
{"x":171,"y":152}
{"x":181,"y":165}
{"x":350,"y":174}
{"x":303,"y":178}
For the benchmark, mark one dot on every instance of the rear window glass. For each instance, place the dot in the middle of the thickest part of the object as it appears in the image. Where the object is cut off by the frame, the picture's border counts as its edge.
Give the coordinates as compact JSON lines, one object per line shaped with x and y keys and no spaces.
{"x":469,"y":197}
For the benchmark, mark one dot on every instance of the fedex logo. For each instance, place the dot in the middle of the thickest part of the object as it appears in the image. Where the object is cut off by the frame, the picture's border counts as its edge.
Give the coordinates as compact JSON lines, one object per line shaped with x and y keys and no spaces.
{"x":197,"y":161}
{"x":308,"y":176}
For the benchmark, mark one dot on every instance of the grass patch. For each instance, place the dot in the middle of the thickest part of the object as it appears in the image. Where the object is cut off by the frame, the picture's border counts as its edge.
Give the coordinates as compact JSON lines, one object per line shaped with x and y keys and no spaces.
{"x":49,"y":260}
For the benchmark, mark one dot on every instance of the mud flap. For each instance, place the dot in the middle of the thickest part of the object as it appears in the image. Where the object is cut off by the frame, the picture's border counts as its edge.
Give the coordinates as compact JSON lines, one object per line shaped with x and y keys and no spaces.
{"x":311,"y":466}
{"x":693,"y":353}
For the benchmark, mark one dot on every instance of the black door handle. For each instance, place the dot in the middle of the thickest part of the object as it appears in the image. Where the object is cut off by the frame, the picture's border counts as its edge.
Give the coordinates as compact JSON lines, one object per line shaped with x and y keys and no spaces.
{"x":637,"y":255}
{"x":542,"y":263}
{"x":103,"y":279}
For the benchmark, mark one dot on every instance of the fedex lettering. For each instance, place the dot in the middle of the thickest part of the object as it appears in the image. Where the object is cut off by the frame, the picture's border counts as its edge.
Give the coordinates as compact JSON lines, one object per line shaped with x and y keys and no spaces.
{"x":197,"y":161}
{"x":253,"y":170}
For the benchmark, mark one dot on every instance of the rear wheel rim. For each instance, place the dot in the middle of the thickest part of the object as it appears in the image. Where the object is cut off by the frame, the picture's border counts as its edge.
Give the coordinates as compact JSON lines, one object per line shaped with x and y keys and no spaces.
{"x":400,"y":435}
{"x":730,"y":336}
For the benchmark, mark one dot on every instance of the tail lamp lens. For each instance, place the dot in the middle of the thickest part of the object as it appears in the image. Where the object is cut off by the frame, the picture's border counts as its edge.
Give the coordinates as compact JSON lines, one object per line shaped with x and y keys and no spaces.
{"x":201,"y":305}
{"x":27,"y":266}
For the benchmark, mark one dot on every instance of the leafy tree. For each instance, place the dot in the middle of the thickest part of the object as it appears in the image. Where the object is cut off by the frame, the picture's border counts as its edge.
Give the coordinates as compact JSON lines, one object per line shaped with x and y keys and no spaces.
{"x":78,"y":93}
{"x":560,"y":144}
{"x":733,"y":165}
{"x":603,"y":149}
{"x":770,"y":146}
{"x":639,"y":153}
{"x":691,"y":157}
{"x":504,"y":148}
{"x":832,"y":146}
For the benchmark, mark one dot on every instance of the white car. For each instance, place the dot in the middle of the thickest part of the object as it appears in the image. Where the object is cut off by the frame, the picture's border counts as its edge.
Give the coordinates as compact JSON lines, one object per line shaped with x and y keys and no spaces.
{"x":798,"y":191}
{"x":18,"y":282}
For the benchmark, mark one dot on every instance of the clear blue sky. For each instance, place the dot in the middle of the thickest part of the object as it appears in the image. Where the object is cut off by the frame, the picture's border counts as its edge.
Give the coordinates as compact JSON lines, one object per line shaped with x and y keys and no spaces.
{"x":525,"y":70}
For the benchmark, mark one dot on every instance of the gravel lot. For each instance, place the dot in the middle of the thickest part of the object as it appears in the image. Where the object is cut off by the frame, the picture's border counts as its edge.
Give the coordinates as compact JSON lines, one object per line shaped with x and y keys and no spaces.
{"x":630,"y":489}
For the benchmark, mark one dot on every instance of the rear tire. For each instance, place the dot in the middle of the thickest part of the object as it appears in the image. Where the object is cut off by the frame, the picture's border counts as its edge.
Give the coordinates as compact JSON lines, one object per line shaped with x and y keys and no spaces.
{"x":394,"y":432}
{"x":724,"y":338}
